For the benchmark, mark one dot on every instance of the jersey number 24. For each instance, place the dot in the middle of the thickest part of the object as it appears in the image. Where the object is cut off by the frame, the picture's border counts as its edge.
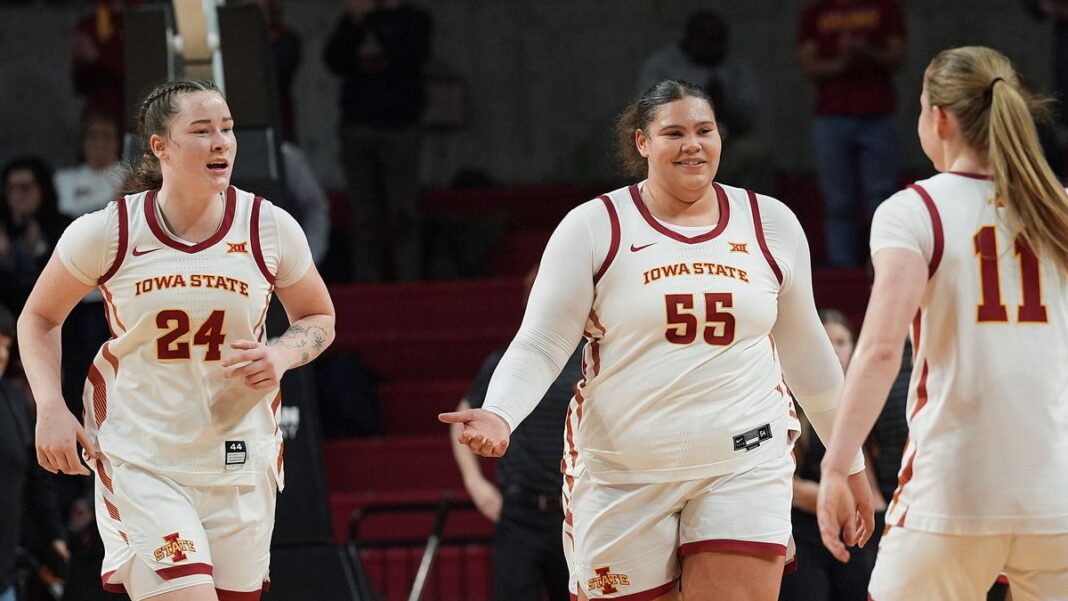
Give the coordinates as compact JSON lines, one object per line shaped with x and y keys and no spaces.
{"x":173,"y":344}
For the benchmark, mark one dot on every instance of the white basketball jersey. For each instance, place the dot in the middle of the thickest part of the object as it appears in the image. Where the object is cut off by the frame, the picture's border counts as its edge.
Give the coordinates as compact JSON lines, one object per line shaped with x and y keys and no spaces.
{"x":155,"y":395}
{"x":988,"y":404}
{"x":679,"y":336}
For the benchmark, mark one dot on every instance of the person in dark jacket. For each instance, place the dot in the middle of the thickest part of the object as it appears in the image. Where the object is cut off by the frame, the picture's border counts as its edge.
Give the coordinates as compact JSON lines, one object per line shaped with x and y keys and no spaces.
{"x":379,"y":48}
{"x":23,"y":484}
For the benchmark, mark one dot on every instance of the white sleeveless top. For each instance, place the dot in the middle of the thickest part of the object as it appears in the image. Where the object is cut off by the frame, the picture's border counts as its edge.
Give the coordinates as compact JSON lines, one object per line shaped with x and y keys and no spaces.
{"x":988,"y":404}
{"x":155,"y":394}
{"x":682,"y":379}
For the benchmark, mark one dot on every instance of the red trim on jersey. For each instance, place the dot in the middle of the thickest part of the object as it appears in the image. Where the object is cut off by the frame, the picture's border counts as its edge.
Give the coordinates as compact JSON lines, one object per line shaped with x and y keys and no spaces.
{"x":104,"y":478}
{"x":111,"y":588}
{"x":257,"y":251}
{"x":114,"y":311}
{"x":724,"y":217}
{"x":263,"y":316}
{"x":936,"y":225}
{"x":903,"y":478}
{"x":594,"y":343}
{"x":112,"y":510}
{"x":125,"y":538}
{"x":110,"y":357}
{"x":732,"y":546}
{"x":162,"y":235}
{"x":758,"y":225}
{"x":281,"y":452}
{"x":276,"y":402}
{"x":790,"y":567}
{"x":184,"y":570}
{"x":124,"y":239}
{"x":971,"y":175}
{"x":100,"y":395}
{"x":225,"y":595}
{"x":901,"y":523}
{"x":921,"y":393}
{"x":572,"y":451}
{"x":916,"y":322}
{"x":613,"y":247}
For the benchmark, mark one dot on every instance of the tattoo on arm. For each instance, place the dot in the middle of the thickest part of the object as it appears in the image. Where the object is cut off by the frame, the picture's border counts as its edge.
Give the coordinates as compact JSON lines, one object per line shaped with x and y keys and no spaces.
{"x":312,"y":339}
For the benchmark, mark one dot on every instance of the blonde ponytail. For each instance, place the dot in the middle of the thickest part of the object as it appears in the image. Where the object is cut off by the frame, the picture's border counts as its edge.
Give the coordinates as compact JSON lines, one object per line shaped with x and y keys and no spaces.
{"x":997,"y":115}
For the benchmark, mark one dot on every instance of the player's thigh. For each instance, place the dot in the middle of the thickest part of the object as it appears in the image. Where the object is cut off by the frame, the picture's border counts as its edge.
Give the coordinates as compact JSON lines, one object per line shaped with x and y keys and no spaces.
{"x":1037,"y":567}
{"x":161,"y":532}
{"x":151,"y":587}
{"x":239,"y":521}
{"x":735,"y":534}
{"x":924,"y":565}
{"x":626,"y":538}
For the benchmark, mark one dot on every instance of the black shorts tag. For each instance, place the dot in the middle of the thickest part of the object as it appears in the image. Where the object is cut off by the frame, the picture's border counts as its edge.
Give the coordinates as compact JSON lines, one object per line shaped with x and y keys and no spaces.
{"x":752,"y":439}
{"x":235,"y":454}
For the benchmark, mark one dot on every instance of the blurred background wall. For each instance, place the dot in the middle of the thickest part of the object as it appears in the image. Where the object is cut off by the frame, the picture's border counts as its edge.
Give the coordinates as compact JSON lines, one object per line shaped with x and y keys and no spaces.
{"x":542,"y":79}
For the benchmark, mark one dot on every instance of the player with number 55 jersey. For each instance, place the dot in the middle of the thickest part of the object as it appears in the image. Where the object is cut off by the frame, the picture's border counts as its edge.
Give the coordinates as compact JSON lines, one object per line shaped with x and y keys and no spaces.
{"x":694,"y":299}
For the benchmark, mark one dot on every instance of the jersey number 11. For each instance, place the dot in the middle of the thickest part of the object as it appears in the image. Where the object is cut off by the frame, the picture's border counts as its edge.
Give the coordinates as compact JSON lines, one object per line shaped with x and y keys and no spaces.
{"x":1031,"y":309}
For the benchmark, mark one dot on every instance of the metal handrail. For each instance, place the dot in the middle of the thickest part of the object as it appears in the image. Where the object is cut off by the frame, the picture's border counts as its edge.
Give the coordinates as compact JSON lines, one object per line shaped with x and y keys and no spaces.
{"x":433,"y":543}
{"x":430,"y":552}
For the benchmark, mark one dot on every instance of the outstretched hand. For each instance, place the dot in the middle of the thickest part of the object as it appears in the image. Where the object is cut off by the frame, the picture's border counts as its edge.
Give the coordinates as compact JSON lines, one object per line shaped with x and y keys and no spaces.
{"x":485,"y":432}
{"x":844,"y":510}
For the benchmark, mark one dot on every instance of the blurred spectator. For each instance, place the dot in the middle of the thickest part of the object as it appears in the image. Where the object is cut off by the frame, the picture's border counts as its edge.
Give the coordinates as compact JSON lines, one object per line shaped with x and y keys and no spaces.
{"x":308,"y":198}
{"x":23,"y":484}
{"x":528,"y":558}
{"x":819,"y":576}
{"x":286,"y":54}
{"x":380,"y":49}
{"x":30,"y":225}
{"x":703,"y":57}
{"x":94,"y":183}
{"x":97,"y":61}
{"x":850,"y":49}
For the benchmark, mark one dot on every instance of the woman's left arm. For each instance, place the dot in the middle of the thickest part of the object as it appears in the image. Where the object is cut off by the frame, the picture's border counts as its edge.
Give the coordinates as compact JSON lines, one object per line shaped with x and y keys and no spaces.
{"x":311,"y":318}
{"x":311,"y":330}
{"x":307,"y":304}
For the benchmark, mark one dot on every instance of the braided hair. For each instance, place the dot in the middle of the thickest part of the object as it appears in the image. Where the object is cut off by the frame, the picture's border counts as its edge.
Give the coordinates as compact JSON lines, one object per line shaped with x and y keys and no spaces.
{"x":154,"y":117}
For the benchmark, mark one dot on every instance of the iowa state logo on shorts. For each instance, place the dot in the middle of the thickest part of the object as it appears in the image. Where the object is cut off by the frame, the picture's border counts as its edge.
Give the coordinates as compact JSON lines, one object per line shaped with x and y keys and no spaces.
{"x":176,"y":548}
{"x":607,"y":581}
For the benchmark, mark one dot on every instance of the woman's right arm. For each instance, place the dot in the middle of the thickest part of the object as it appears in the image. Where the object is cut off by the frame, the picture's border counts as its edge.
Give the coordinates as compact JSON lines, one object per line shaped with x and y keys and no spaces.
{"x":553,"y":324}
{"x":39,"y":327}
{"x":82,"y":255}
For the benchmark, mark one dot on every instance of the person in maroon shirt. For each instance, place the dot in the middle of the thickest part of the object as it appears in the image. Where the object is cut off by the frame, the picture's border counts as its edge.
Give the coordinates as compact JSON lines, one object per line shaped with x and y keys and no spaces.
{"x":850,"y":49}
{"x":97,"y":61}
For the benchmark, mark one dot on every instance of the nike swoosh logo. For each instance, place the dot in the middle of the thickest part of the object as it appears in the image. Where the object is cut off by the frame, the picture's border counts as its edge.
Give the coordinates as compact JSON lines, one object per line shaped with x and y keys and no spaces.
{"x":635,"y":249}
{"x":137,"y":252}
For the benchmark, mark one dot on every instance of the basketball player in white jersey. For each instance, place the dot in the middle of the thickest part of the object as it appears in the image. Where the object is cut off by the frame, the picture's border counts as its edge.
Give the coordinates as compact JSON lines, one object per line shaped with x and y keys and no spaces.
{"x":181,"y":403}
{"x":677,"y":442}
{"x":974,"y":260}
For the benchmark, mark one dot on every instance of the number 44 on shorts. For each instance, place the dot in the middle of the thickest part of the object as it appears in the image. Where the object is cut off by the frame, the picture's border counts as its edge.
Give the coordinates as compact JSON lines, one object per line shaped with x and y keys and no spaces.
{"x":235,"y":454}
